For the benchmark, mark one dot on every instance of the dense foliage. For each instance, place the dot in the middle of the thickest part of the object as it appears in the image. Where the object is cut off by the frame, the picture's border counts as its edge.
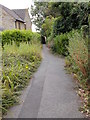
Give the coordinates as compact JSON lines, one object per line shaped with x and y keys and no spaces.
{"x":78,"y":56}
{"x":77,"y":63}
{"x":47,"y":26}
{"x":70,"y":15}
{"x":60,"y":44}
{"x":17,"y":36}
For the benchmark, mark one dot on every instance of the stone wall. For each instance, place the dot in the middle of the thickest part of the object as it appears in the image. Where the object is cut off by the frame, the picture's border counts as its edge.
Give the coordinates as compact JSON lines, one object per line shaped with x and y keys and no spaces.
{"x":28,"y":21}
{"x":22,"y":26}
{"x":0,"y":18}
{"x":8,"y":22}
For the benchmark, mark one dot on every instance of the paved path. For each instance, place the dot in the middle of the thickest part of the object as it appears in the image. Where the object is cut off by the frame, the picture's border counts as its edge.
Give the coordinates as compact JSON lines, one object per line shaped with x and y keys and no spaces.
{"x":51,"y":93}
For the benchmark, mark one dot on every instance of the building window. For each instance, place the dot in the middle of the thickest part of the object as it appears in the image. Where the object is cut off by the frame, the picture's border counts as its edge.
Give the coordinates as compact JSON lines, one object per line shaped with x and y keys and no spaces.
{"x":19,"y":25}
{"x":25,"y":26}
{"x":15,"y":25}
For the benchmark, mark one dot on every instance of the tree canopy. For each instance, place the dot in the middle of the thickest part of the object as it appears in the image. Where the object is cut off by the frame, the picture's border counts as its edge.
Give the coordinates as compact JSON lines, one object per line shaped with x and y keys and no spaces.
{"x":66,"y":15}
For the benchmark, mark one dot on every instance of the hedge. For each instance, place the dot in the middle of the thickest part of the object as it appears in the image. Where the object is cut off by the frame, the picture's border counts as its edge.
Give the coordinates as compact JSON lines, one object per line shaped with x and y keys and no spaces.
{"x":60,"y":44}
{"x":17,"y":36}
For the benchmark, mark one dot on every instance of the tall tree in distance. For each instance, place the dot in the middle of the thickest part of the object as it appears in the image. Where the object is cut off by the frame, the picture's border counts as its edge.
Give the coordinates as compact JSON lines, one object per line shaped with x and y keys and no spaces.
{"x":39,"y":13}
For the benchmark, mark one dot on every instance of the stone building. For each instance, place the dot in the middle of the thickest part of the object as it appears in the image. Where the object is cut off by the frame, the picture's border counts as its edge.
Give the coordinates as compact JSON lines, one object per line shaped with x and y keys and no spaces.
{"x":14,"y":19}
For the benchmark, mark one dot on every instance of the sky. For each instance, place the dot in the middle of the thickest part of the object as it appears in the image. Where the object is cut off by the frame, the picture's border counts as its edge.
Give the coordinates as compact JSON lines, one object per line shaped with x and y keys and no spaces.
{"x":18,"y":4}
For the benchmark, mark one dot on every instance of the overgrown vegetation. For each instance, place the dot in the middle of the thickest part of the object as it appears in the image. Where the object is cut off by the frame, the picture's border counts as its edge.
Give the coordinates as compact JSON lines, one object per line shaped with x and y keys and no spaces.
{"x":77,"y":64}
{"x":19,"y":63}
{"x":66,"y":27}
{"x":60,"y":44}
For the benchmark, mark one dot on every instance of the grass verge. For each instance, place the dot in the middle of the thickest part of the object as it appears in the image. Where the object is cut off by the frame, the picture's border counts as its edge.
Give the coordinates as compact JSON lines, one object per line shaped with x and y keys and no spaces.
{"x":19,"y":63}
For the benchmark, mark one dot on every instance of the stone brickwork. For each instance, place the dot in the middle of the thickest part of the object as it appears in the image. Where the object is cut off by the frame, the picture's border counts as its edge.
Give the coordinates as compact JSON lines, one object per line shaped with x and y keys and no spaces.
{"x":0,"y":18}
{"x":22,"y":26}
{"x":8,"y":22}
{"x":28,"y":21}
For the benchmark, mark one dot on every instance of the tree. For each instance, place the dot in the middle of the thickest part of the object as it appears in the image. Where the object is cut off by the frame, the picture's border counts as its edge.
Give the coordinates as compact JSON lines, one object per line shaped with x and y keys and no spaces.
{"x":39,"y":13}
{"x":47,"y":26}
{"x":79,"y":15}
{"x":68,"y":15}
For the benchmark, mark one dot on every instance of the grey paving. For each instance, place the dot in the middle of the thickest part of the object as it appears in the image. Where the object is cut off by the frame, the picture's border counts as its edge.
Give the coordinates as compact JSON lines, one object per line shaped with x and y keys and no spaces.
{"x":51,"y":93}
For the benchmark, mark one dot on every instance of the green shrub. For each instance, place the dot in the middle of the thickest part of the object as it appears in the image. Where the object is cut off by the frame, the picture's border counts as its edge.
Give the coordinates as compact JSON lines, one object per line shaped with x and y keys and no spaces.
{"x":36,"y":37}
{"x":78,"y":57}
{"x":0,"y":37}
{"x":17,"y":36}
{"x":47,"y":26}
{"x":49,"y":41}
{"x":62,"y":25}
{"x":85,"y":30}
{"x":60,"y":44}
{"x":78,"y":63}
{"x":6,"y":37}
{"x":58,"y":26}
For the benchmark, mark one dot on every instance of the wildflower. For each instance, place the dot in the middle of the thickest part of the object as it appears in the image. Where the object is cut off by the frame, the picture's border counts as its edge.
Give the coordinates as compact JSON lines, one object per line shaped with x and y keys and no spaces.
{"x":26,"y":66}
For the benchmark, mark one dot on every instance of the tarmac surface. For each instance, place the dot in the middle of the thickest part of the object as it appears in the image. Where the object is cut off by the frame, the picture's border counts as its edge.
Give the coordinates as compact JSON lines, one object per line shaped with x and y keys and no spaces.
{"x":50,"y":94}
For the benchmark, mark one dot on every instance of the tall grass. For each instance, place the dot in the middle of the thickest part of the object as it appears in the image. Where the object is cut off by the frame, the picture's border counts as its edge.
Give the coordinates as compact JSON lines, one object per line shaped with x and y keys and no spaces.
{"x":78,"y":56}
{"x":19,"y":63}
{"x":77,"y":63}
{"x":23,"y":50}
